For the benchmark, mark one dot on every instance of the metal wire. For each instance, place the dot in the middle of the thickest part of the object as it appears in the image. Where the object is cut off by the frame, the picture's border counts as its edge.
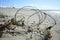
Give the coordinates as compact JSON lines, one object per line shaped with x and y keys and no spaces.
{"x":39,"y":13}
{"x":41,"y":16}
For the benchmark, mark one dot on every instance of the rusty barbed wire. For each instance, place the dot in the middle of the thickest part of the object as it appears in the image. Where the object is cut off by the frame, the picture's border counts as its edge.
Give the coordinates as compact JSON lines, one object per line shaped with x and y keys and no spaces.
{"x":22,"y":18}
{"x":39,"y":14}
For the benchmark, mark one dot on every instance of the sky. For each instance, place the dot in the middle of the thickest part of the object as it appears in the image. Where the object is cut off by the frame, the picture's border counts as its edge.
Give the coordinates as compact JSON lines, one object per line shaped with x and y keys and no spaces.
{"x":41,"y":4}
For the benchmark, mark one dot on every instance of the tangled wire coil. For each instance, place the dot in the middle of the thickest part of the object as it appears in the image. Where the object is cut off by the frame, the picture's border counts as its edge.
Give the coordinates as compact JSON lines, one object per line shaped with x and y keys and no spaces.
{"x":30,"y":17}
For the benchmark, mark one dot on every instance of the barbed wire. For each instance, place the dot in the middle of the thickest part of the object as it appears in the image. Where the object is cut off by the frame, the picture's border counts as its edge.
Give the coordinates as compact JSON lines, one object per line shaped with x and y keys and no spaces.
{"x":40,"y":14}
{"x":22,"y":17}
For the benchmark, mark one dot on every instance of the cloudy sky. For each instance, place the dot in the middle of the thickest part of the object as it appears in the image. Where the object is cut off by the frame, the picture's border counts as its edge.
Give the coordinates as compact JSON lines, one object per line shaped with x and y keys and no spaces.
{"x":42,"y":4}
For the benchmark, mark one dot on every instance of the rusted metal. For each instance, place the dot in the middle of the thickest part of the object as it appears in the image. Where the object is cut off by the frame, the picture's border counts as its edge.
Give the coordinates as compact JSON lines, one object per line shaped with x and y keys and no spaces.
{"x":30,"y":28}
